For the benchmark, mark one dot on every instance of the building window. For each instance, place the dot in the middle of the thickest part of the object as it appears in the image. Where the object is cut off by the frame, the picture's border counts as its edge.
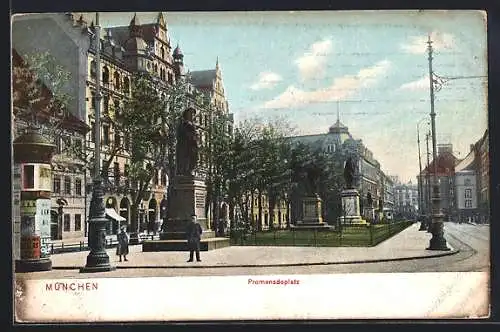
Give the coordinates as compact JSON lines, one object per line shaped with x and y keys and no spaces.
{"x":105,"y":75}
{"x":78,"y":186}
{"x":468,"y":193}
{"x":105,"y":135}
{"x":56,"y":185}
{"x":117,"y":139}
{"x":67,"y":222}
{"x":28,"y":176}
{"x":116,"y":173}
{"x":117,"y":80}
{"x":67,"y":185}
{"x":163,"y":178}
{"x":106,"y":105}
{"x":78,"y":222}
{"x":156,"y":178}
{"x":125,"y":174}
{"x":93,"y":100}
{"x":468,"y":203}
{"x":93,"y":70}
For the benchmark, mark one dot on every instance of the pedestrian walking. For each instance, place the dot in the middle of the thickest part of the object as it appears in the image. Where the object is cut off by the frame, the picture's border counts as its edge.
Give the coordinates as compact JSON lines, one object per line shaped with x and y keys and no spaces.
{"x":193,"y":235}
{"x":123,"y":240}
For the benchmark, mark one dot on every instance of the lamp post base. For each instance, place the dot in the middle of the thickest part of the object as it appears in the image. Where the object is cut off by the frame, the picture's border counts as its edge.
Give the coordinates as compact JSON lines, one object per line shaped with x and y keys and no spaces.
{"x":97,"y":263}
{"x":94,"y":269}
{"x":437,"y":242}
{"x":33,"y":265}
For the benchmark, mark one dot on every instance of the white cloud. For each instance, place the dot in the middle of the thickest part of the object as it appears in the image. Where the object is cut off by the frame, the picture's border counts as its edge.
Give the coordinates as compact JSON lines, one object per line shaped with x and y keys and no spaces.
{"x":440,"y":41}
{"x":420,"y":84}
{"x":312,"y":63}
{"x":266,"y":80}
{"x":341,"y":88}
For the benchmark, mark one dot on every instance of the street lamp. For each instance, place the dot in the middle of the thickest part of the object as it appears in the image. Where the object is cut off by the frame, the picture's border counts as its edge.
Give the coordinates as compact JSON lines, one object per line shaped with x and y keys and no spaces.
{"x":97,"y":259}
{"x":420,"y":187}
{"x":437,"y":242}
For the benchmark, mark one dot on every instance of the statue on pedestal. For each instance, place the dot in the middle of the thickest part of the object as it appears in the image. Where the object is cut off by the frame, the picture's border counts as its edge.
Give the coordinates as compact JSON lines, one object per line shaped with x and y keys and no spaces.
{"x":187,"y":144}
{"x":349,"y":172}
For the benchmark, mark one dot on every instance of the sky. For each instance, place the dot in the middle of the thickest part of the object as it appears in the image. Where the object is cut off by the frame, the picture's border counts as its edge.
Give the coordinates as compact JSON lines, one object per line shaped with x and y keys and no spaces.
{"x":370,"y":65}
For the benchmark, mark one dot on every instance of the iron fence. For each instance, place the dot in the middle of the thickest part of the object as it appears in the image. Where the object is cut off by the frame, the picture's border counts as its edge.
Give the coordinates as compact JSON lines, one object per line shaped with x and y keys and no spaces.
{"x":347,"y":235}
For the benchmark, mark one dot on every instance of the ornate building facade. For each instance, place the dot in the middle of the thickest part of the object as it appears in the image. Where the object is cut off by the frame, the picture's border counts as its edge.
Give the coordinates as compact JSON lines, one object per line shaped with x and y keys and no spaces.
{"x":125,"y":50}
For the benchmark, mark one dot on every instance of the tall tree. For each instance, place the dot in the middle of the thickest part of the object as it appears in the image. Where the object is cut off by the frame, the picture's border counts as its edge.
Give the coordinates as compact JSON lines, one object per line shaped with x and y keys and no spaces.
{"x":149,"y":119}
{"x":38,"y":91}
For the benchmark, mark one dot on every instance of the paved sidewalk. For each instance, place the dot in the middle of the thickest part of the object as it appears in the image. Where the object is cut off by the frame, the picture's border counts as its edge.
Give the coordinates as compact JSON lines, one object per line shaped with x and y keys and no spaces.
{"x":408,"y":244}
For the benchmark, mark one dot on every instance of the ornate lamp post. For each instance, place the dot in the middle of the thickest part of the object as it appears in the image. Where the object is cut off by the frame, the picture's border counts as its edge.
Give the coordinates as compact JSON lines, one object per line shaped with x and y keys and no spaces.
{"x":437,"y":242}
{"x":98,"y":259}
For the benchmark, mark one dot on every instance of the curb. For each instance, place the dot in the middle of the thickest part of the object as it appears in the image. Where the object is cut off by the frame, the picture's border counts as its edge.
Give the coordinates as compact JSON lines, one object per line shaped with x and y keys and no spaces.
{"x":364,"y":261}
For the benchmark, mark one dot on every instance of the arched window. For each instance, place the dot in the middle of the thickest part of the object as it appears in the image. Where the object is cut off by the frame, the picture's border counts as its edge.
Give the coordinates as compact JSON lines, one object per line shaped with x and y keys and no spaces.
{"x":105,"y":75}
{"x":117,"y":80}
{"x":162,"y":51}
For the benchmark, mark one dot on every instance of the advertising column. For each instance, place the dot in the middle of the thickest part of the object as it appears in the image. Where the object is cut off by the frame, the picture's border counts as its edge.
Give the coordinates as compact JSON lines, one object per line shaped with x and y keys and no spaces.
{"x":32,"y":155}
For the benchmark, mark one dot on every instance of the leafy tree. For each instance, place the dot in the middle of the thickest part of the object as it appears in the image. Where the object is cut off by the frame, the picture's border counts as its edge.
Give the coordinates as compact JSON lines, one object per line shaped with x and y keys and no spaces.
{"x":219,"y":142}
{"x":149,"y":118}
{"x":38,"y":91}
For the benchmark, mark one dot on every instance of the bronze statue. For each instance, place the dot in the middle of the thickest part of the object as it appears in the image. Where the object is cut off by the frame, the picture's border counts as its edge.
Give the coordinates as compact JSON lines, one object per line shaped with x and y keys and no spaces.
{"x":349,"y":172}
{"x":187,"y":144}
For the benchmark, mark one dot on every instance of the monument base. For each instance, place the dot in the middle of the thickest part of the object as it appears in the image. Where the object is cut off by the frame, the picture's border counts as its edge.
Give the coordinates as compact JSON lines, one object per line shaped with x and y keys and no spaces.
{"x":351,"y":211}
{"x":311,"y":210}
{"x":33,"y":265}
{"x":206,"y":244}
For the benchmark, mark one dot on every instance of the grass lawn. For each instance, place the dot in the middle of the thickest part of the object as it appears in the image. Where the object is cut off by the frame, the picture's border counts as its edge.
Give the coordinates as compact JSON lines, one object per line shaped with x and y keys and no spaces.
{"x":351,"y":236}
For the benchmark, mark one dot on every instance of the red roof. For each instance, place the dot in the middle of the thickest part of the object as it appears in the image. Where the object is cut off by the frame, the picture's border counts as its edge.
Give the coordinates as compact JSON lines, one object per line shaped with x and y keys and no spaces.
{"x":446,"y":162}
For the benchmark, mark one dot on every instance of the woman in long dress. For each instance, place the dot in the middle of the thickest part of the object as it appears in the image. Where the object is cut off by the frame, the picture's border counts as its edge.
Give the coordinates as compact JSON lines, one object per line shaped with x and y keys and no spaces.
{"x":122,"y":248}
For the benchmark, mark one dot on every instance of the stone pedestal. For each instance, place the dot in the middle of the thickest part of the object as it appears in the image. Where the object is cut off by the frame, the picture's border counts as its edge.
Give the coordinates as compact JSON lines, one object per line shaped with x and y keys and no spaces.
{"x":311,"y":210}
{"x":188,"y":198}
{"x":311,"y":214}
{"x":350,"y":207}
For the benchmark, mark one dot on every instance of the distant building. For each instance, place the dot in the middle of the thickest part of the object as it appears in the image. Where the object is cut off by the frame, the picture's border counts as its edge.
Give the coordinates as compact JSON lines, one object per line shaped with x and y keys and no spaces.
{"x":406,"y":200}
{"x":481,"y":148}
{"x":339,"y":143}
{"x":466,"y":189}
{"x":445,"y":163}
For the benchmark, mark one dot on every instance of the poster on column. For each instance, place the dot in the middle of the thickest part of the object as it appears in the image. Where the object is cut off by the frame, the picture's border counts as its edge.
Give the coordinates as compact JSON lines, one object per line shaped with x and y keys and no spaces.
{"x":42,"y":222}
{"x":27,"y":212}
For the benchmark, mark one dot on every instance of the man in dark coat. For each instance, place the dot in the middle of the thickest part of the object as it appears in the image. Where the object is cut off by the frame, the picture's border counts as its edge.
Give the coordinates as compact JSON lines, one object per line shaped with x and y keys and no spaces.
{"x":193,"y":235}
{"x":123,"y":240}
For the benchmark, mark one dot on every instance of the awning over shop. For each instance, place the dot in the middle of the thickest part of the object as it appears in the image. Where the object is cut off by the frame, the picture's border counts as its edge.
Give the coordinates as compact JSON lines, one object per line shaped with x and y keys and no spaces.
{"x":113,"y":215}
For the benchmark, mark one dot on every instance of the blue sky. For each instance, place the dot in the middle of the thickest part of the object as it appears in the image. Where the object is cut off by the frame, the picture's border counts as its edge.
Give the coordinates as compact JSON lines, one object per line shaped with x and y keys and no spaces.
{"x":372,"y":65}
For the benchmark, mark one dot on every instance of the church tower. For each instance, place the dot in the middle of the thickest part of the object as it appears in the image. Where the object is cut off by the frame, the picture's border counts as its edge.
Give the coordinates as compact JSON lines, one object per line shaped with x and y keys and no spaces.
{"x":178,"y":62}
